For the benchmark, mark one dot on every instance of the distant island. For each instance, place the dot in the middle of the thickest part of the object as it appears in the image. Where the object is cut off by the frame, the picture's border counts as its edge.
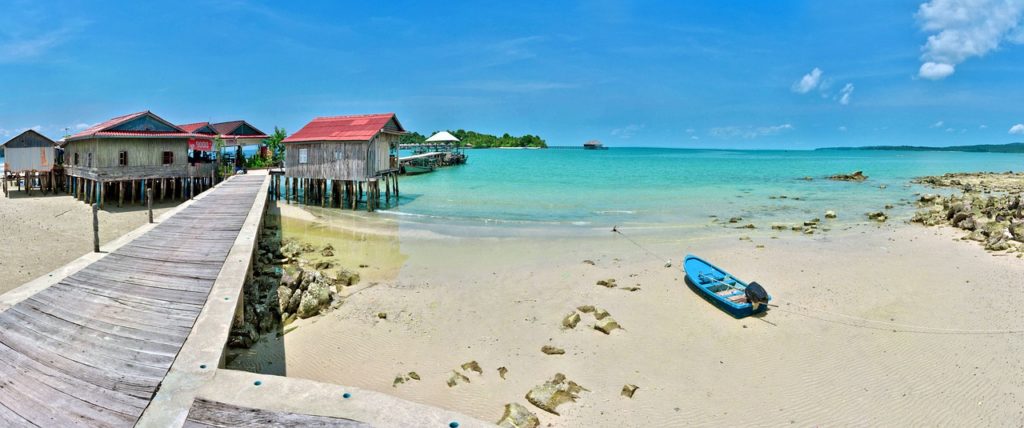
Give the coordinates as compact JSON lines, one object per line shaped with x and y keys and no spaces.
{"x":978,"y":148}
{"x":478,"y":140}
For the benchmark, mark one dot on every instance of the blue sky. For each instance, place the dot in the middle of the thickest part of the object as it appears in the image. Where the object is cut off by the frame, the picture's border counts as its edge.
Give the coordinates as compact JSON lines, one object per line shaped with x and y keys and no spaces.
{"x":680,"y":74}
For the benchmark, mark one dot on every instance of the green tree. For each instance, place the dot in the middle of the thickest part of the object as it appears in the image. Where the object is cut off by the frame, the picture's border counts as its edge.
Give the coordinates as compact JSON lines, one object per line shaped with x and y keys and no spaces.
{"x":275,"y":142}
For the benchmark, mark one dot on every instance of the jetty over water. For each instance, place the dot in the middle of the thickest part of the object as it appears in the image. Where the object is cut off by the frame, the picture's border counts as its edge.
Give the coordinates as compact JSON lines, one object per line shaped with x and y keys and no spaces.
{"x":135,"y":335}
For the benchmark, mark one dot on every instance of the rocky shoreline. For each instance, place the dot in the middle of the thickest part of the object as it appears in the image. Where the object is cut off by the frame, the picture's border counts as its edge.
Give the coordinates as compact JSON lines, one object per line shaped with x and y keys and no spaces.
{"x":291,"y":280}
{"x":988,"y":207}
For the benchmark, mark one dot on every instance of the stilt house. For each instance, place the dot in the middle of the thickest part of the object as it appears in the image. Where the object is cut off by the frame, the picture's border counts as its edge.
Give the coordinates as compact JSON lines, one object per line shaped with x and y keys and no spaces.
{"x":31,"y":157}
{"x":131,"y":153}
{"x":331,"y":153}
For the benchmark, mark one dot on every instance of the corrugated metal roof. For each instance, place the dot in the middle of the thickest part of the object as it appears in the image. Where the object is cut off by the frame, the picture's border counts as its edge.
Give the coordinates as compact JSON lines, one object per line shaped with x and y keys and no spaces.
{"x":344,"y":128}
{"x":101,"y":129}
{"x":192,"y":127}
{"x":227,"y":129}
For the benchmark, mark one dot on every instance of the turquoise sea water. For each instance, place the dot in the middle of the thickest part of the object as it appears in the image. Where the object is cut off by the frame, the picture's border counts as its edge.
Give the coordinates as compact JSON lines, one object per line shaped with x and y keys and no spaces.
{"x":647,"y":187}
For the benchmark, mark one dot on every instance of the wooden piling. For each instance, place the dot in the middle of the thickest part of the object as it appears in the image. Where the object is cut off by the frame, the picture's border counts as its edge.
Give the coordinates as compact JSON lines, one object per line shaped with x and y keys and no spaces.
{"x":149,"y":201}
{"x":95,"y":228}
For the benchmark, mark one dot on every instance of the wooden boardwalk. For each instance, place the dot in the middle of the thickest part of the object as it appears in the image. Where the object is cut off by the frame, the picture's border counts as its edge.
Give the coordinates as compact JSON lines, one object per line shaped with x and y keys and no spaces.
{"x":93,"y":348}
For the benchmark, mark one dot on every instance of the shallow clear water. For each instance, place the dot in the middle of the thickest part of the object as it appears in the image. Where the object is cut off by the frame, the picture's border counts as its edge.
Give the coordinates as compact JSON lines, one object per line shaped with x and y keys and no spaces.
{"x":646,"y":187}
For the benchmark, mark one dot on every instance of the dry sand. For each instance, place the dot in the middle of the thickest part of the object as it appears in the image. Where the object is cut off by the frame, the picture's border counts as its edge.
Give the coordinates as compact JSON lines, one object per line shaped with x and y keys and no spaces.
{"x":40,"y":233}
{"x":498,"y":301}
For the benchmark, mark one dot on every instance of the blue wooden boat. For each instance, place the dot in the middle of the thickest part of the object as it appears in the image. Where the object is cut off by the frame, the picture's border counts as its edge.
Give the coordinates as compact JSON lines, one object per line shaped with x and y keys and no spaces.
{"x":722,"y":289}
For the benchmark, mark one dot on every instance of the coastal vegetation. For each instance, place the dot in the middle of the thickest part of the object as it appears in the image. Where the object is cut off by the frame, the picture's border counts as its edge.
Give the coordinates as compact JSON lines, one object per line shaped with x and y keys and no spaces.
{"x":977,"y":148}
{"x":479,"y":140}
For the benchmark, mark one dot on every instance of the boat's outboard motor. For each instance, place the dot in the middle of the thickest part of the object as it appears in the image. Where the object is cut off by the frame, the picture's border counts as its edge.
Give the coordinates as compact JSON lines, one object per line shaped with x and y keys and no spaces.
{"x":756,"y":295}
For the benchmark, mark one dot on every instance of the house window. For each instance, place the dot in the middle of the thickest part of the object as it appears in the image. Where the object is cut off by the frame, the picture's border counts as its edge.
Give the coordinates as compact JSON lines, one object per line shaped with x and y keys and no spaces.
{"x":168,"y":158}
{"x":303,"y":155}
{"x":122,"y":158}
{"x":338,"y":155}
{"x":88,"y":160}
{"x":75,"y":157}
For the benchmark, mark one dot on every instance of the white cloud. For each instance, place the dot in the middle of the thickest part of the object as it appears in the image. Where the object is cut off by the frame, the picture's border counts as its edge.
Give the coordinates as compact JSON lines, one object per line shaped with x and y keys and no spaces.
{"x":842,"y":128}
{"x":694,"y":137}
{"x":963,"y":29}
{"x":808,"y":82}
{"x":627,"y":131}
{"x":690,"y":130}
{"x":982,"y":126}
{"x":83,"y":126}
{"x":844,"y":94}
{"x":748,"y":131}
{"x":935,"y":71}
{"x":938,"y":124}
{"x":950,"y":130}
{"x":4,"y":132}
{"x":1017,"y":129}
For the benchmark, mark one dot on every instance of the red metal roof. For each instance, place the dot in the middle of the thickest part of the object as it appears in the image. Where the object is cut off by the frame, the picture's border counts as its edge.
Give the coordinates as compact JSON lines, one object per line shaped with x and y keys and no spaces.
{"x":101,"y":129}
{"x":344,"y":128}
{"x":192,"y":127}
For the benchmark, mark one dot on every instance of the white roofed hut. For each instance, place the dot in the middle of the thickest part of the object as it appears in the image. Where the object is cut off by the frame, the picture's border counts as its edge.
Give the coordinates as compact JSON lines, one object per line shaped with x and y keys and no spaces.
{"x":32,"y":157}
{"x":441,"y":149}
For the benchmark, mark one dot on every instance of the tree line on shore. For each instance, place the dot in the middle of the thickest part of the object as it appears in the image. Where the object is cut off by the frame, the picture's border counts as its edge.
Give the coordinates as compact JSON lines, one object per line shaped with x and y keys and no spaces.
{"x":480,"y":140}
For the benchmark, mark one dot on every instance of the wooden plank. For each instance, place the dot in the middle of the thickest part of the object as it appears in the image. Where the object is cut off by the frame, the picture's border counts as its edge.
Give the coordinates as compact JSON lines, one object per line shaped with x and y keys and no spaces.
{"x":93,"y":348}
{"x":94,"y":308}
{"x":86,"y":353}
{"x":132,"y":350}
{"x":212,"y":413}
{"x":60,"y":380}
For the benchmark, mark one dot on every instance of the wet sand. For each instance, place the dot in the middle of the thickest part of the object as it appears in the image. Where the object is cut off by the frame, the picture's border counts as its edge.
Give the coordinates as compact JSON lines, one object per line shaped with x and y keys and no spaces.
{"x":891,"y":324}
{"x":40,"y":233}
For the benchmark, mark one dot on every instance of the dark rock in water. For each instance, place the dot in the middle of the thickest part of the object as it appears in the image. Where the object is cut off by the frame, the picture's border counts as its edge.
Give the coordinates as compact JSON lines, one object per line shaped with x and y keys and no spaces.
{"x":327,"y":253}
{"x":735,"y":219}
{"x":749,"y":226}
{"x":628,"y":390}
{"x":346,"y":277}
{"x":400,"y":379}
{"x":382,"y":315}
{"x":586,"y":308}
{"x":589,"y":262}
{"x":414,"y":376}
{"x":601,"y":314}
{"x":877,"y":216}
{"x":323,"y":265}
{"x":518,"y":416}
{"x":610,"y":283}
{"x":554,"y":393}
{"x":502,"y":371}
{"x":856,"y":176}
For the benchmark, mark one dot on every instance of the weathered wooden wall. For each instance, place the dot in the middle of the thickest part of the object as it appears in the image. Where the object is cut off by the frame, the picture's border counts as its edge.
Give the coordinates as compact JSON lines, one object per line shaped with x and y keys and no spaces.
{"x":145,"y":158}
{"x":340,"y":160}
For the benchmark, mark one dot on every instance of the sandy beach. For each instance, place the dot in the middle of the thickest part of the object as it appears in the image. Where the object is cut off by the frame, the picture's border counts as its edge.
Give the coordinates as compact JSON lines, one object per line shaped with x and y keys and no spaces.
{"x":40,"y":233}
{"x":876,"y":324}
